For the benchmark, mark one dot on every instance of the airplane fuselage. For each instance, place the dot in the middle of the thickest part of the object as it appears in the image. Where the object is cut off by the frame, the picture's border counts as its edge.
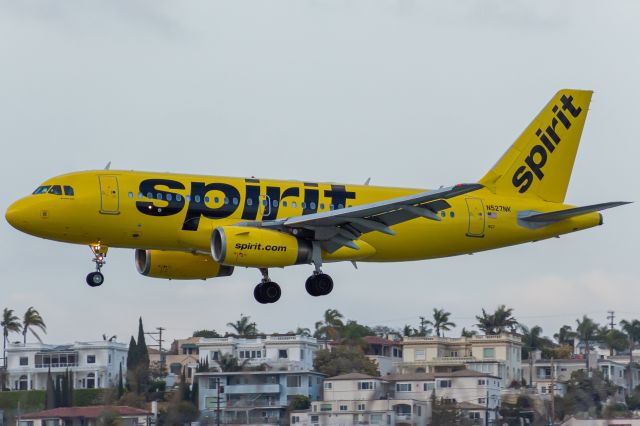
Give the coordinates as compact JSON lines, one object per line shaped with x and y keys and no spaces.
{"x":178,"y":212}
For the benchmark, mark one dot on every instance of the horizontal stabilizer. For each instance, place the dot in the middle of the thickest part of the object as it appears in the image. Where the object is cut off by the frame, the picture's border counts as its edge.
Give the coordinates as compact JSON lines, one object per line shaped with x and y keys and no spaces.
{"x":559,"y":215}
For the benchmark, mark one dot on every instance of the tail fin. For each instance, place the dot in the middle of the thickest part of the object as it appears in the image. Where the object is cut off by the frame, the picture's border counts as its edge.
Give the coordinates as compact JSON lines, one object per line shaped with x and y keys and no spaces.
{"x":540,"y":161}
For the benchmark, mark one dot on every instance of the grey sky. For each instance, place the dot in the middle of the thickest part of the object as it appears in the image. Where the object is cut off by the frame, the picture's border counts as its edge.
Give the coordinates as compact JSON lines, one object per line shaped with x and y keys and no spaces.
{"x":409,"y":93}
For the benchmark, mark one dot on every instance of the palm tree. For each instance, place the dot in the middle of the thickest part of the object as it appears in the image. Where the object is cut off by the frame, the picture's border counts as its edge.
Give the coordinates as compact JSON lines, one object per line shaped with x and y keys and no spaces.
{"x":10,"y":324}
{"x":500,"y":321}
{"x":587,"y":332}
{"x":468,"y":333}
{"x":300,"y":331}
{"x":632,"y":328}
{"x":565,"y":335}
{"x":229,"y":363}
{"x":531,"y":340}
{"x":243,"y":327}
{"x":409,"y":331}
{"x":441,"y":321}
{"x":331,"y":326}
{"x":30,"y":320}
{"x":615,"y":340}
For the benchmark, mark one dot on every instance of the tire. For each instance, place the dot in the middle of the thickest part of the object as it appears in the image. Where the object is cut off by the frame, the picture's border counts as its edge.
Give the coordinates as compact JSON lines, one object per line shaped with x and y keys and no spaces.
{"x":271,"y":292}
{"x":311,"y":286}
{"x":324,"y":284}
{"x":258,"y":294}
{"x":95,"y":279}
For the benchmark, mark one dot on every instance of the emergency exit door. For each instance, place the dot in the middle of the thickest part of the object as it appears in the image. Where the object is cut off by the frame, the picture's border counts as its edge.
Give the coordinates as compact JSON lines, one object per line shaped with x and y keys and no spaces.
{"x":476,"y":217}
{"x":109,"y":195}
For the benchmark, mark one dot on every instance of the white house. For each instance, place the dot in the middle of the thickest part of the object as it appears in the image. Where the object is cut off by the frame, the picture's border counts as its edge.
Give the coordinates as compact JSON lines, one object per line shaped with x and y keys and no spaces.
{"x":294,"y":352}
{"x":92,"y":364}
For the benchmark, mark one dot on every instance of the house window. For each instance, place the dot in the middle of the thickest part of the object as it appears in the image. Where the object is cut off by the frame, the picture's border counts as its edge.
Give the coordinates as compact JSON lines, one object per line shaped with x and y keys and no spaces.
{"x":366,"y":385}
{"x":420,"y":356}
{"x":315,"y":419}
{"x":444,"y":383}
{"x":282,"y":353}
{"x":454,"y":353}
{"x":294,"y":381}
{"x":361,"y":407}
{"x":481,"y":382}
{"x":215,"y":356}
{"x":325,"y":407}
{"x":91,"y":381}
{"x":403,"y":387}
{"x":23,"y":384}
{"x":474,"y":415}
{"x":24,"y":360}
{"x":109,"y":358}
{"x":301,"y":354}
{"x":376,"y":419}
{"x":295,"y":419}
{"x":482,"y":401}
{"x":328,"y":385}
{"x":419,"y":411}
{"x":429,"y":386}
{"x":488,"y":353}
{"x":91,"y":359}
{"x":343,"y":408}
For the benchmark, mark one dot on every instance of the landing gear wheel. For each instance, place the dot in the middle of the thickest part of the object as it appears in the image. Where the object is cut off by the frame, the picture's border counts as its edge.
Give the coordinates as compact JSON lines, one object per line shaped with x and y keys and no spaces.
{"x":319,"y":285}
{"x":267,"y":292}
{"x":95,"y":279}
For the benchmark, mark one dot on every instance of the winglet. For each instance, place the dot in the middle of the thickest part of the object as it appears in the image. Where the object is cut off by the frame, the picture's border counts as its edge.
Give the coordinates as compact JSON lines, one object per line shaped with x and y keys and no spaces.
{"x":108,"y":166}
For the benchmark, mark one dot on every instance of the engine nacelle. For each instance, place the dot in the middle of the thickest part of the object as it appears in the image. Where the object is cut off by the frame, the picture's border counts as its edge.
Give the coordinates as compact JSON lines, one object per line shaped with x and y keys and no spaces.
{"x":177,"y":265}
{"x":258,"y":248}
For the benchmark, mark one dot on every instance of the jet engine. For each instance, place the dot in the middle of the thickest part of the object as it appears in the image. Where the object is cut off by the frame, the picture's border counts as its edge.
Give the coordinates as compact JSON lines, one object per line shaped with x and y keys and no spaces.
{"x":258,"y":248}
{"x":177,"y":265}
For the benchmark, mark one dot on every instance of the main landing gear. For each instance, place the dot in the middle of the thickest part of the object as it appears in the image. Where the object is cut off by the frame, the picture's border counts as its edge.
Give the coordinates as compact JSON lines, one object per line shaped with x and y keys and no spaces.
{"x":95,"y":279}
{"x":319,"y":283}
{"x":267,"y":291}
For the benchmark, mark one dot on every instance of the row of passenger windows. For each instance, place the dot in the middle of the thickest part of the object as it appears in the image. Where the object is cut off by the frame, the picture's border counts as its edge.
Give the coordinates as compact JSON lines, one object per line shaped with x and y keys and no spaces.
{"x":55,"y":190}
{"x":216,"y":200}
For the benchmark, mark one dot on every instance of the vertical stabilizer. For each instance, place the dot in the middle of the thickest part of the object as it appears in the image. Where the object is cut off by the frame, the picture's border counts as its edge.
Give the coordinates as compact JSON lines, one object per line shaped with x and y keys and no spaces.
{"x":540,"y":161}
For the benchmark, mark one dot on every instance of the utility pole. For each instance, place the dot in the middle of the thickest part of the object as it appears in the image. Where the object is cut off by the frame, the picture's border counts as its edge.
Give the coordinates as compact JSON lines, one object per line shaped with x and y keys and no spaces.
{"x":552,"y":391}
{"x":611,"y":317}
{"x":158,"y":333}
{"x":486,"y":411}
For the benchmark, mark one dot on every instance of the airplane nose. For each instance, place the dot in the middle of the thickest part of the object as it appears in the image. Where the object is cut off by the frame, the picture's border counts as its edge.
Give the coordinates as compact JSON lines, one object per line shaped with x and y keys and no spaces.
{"x":14,"y":216}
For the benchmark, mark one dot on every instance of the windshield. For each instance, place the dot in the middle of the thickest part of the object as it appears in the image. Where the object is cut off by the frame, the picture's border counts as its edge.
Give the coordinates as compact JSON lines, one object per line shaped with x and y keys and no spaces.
{"x":42,"y":189}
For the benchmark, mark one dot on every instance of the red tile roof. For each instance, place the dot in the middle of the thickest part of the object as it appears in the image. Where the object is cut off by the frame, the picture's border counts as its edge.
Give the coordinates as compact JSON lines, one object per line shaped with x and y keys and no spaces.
{"x":375,"y":340}
{"x":91,"y":412}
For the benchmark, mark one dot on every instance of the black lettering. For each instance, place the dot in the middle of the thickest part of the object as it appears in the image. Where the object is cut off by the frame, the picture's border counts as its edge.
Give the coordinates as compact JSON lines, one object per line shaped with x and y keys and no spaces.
{"x":310,"y":199}
{"x":545,"y":140}
{"x":567,"y":104}
{"x":198,"y":209}
{"x":563,"y":118}
{"x":522,"y":178}
{"x":536,"y":166}
{"x":252,"y":203}
{"x":551,"y":131}
{"x":273,"y":194}
{"x":170,"y":202}
{"x":339,"y":195}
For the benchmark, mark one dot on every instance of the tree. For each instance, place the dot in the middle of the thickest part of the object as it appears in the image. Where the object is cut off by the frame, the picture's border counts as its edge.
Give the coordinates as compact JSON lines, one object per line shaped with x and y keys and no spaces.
{"x":533,"y":340}
{"x":208,"y":334}
{"x":331,"y":325}
{"x":441,"y":321}
{"x":444,"y":413}
{"x":50,"y":393}
{"x":229,"y":363}
{"x":500,"y":321}
{"x":342,"y":360}
{"x":422,"y":328}
{"x":409,"y":331}
{"x":31,"y":320}
{"x":299,"y":402}
{"x":142,"y":352}
{"x":632,"y":329}
{"x":587,"y":391}
{"x":300,"y":331}
{"x":565,"y":335}
{"x":353,"y":334}
{"x":10,"y":324}
{"x":587,"y":332}
{"x":132,"y":355}
{"x":468,"y":333}
{"x":243,"y":327}
{"x":615,"y":340}
{"x":120,"y":383}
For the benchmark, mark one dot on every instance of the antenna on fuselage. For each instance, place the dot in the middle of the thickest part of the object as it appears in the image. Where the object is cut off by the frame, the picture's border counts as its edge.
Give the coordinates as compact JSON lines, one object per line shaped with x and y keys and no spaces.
{"x":366,"y":182}
{"x":107,"y":166}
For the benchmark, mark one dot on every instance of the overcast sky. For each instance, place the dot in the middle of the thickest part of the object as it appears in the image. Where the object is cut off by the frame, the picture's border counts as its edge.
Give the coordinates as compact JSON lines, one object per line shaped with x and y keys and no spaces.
{"x":409,"y":93}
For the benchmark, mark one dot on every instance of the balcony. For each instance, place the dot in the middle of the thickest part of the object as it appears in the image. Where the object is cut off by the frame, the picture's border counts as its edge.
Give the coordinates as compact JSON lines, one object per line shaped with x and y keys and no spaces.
{"x":248,"y":389}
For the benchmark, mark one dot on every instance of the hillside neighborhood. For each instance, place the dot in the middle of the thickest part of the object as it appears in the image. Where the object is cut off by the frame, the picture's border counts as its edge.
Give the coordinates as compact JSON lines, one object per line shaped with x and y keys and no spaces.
{"x":339,"y":373}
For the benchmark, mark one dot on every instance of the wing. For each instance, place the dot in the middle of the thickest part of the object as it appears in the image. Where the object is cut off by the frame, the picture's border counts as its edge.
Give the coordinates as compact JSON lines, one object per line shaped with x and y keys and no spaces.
{"x":338,"y":228}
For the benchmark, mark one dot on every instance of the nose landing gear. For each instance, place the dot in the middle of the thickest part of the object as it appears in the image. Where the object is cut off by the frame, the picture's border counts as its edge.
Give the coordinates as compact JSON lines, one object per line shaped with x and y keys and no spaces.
{"x":95,"y":279}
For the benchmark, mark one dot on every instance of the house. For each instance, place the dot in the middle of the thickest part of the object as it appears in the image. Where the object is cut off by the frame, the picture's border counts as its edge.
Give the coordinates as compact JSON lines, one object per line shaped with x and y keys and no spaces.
{"x":497,"y":355}
{"x":254,"y":397}
{"x":92,"y":364}
{"x":401,"y":398}
{"x":293,"y":352}
{"x":86,"y":416}
{"x":182,"y":356}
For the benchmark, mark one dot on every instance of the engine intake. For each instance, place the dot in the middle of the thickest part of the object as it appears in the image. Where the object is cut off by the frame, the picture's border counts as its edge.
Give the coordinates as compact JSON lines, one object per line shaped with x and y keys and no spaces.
{"x":259,"y":248}
{"x":177,"y":265}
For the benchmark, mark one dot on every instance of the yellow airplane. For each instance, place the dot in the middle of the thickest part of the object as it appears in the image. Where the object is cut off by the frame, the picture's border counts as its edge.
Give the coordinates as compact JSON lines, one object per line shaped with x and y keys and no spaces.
{"x":199,"y":227}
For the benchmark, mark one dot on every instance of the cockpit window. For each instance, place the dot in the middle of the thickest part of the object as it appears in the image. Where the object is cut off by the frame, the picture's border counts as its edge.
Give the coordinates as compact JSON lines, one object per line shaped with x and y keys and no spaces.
{"x":55,"y":190}
{"x":41,"y":190}
{"x":68,"y":191}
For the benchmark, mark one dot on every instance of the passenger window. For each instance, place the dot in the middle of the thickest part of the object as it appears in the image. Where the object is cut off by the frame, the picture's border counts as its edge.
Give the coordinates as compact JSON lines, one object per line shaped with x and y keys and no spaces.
{"x":249,"y":202}
{"x":275,"y":203}
{"x":216,"y":200}
{"x":196,"y":198}
{"x":188,"y":198}
{"x":169,"y":197}
{"x":284,"y":204}
{"x":312,"y":205}
{"x":321,"y":206}
{"x":206,"y":199}
{"x":294,"y":204}
{"x":178,"y":197}
{"x":41,"y":190}
{"x":140,"y":195}
{"x":149,"y":195}
{"x":69,"y":191}
{"x":451,"y":214}
{"x":226,"y":200}
{"x":443,"y":213}
{"x":159,"y":196}
{"x":130,"y":193}
{"x":331,"y":207}
{"x":303,"y":205}
{"x":55,"y":190}
{"x":235,"y":201}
